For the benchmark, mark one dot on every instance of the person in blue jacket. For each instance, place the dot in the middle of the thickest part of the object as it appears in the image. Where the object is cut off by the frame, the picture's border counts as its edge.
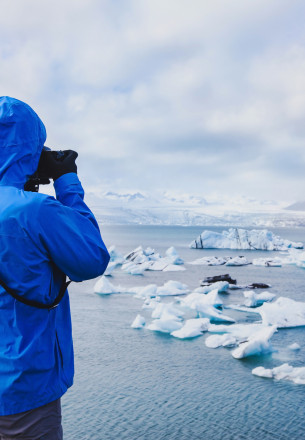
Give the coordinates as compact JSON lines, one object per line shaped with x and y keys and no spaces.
{"x":42,"y":239}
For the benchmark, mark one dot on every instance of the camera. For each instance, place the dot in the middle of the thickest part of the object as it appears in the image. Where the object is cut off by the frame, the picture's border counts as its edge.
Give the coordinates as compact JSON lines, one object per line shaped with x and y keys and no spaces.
{"x":42,"y":175}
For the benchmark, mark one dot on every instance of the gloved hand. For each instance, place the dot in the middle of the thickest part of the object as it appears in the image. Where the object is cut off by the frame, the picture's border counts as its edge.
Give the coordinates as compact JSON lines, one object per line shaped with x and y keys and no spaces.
{"x":58,"y":163}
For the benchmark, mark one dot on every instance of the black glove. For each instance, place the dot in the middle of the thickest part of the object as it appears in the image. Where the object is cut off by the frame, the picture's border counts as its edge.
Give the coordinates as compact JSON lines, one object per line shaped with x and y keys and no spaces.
{"x":58,"y":163}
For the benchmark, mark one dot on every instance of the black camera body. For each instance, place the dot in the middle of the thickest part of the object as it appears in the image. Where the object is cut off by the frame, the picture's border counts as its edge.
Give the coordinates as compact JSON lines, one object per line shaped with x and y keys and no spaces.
{"x":41,"y":176}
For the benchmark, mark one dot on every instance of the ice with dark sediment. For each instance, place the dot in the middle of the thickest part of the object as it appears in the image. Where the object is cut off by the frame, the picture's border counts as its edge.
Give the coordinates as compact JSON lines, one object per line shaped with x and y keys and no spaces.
{"x":283,"y":372}
{"x":236,"y":238}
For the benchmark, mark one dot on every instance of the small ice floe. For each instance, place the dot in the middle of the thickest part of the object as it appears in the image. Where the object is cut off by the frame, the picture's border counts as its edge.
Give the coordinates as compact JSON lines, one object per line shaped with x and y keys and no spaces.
{"x":257,"y":344}
{"x":172,"y":288}
{"x":229,"y":335}
{"x":220,"y":286}
{"x":238,"y":261}
{"x":209,"y":261}
{"x":162,"y":309}
{"x":173,"y":256}
{"x":192,"y":328}
{"x":139,"y":260}
{"x":267,"y":262}
{"x":236,"y":238}
{"x":148,"y":291}
{"x":195,"y":299}
{"x":104,"y":287}
{"x":214,"y":315}
{"x":139,"y":322}
{"x":253,"y":299}
{"x":295,"y":257}
{"x":225,"y":340}
{"x":151,"y":303}
{"x":110,"y":268}
{"x":294,"y":347}
{"x":283,"y":372}
{"x":115,"y":256}
{"x":284,"y":312}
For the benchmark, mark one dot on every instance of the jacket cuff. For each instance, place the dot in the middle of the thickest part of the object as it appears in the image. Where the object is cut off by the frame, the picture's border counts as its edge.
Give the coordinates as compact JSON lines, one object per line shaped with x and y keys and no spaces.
{"x":65,"y":180}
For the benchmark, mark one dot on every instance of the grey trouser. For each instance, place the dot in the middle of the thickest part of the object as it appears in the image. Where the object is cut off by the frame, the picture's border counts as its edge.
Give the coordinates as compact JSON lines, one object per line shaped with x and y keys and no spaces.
{"x":43,"y":423}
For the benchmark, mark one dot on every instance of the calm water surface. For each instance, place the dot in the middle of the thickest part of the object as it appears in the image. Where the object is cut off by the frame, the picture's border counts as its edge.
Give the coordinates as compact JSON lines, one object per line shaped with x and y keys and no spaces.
{"x":137,"y":384}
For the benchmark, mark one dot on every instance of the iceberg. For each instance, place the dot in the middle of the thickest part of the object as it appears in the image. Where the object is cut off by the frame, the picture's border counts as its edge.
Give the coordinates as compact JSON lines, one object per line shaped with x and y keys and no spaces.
{"x":172,"y":288}
{"x":139,"y":260}
{"x":267,"y":262}
{"x":295,"y":257}
{"x":225,"y":340}
{"x":237,"y":261}
{"x":115,"y":256}
{"x":283,"y":372}
{"x":192,"y":328}
{"x":284,"y":312}
{"x":139,"y":322}
{"x":104,"y":287}
{"x":173,"y":256}
{"x":209,"y":261}
{"x":221,"y":286}
{"x":195,"y":299}
{"x":243,"y":239}
{"x":167,"y":323}
{"x":253,"y":299}
{"x":148,"y":291}
{"x":294,"y":347}
{"x":257,"y":344}
{"x":162,"y":309}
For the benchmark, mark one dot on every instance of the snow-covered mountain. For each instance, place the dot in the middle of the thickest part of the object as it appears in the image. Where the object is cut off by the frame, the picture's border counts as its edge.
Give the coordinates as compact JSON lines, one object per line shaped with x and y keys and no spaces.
{"x":185,"y":209}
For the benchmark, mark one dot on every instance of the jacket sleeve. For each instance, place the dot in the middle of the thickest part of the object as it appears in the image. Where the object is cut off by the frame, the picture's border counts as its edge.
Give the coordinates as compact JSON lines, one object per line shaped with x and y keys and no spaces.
{"x":69,"y":232}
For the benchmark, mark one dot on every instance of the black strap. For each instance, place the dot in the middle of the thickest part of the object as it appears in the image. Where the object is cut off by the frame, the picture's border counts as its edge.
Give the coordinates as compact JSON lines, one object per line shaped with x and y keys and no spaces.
{"x":37,"y":304}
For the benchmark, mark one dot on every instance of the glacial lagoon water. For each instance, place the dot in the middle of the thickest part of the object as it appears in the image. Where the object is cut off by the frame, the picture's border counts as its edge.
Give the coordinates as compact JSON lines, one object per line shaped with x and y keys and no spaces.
{"x":137,"y":384}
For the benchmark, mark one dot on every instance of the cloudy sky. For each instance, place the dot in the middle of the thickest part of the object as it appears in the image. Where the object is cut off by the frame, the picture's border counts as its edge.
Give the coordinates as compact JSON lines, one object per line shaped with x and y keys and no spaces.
{"x":200,"y":96}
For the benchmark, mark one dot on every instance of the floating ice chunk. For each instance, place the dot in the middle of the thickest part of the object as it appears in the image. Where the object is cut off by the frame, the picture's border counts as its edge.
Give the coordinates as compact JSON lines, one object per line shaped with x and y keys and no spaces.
{"x":284,"y":312}
{"x":115,"y":256}
{"x":215,"y":341}
{"x":283,"y":372}
{"x":294,"y":347}
{"x":214,"y":315}
{"x":145,"y":292}
{"x":192,"y":328}
{"x":221,"y":286}
{"x":267,"y":262}
{"x":139,"y":322}
{"x":258,"y":343}
{"x":167,"y":309}
{"x":172,"y":288}
{"x":151,"y":303}
{"x":243,"y":239}
{"x":173,"y":256}
{"x":237,"y":261}
{"x":241,"y":332}
{"x":295,"y":257}
{"x":104,"y":287}
{"x":110,"y":268}
{"x":262,"y":372}
{"x":209,"y":261}
{"x":195,"y":300}
{"x":253,"y":299}
{"x":166,"y":324}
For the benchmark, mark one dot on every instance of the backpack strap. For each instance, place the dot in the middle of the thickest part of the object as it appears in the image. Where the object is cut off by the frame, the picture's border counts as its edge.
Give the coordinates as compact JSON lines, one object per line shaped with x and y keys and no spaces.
{"x":37,"y":304}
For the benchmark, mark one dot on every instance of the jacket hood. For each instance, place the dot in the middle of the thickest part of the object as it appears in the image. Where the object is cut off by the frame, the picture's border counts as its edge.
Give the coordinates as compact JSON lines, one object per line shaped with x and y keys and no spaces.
{"x":22,"y":137}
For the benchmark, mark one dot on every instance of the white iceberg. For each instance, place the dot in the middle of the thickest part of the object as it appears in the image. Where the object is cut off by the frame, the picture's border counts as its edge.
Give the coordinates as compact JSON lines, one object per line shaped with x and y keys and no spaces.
{"x":115,"y":256}
{"x":238,"y":261}
{"x":253,"y":299}
{"x":209,"y":261}
{"x":167,"y":323}
{"x":139,"y":260}
{"x":225,"y":340}
{"x":148,"y":291}
{"x":151,"y":303}
{"x":243,"y":239}
{"x":192,"y":328}
{"x":172,"y":288}
{"x":283,"y":372}
{"x":214,"y":315}
{"x":257,"y":344}
{"x":110,"y":268}
{"x":139,"y":322}
{"x":162,"y":309}
{"x":295,"y":257}
{"x":173,"y":256}
{"x":284,"y":312}
{"x":195,"y":300}
{"x":267,"y":262}
{"x":104,"y":287}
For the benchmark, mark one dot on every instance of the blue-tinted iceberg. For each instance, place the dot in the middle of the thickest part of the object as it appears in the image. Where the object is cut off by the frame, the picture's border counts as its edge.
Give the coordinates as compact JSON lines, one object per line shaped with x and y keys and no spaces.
{"x":253,"y":299}
{"x":243,"y":239}
{"x":138,"y":322}
{"x":192,"y":328}
{"x":284,"y":312}
{"x":257,"y":344}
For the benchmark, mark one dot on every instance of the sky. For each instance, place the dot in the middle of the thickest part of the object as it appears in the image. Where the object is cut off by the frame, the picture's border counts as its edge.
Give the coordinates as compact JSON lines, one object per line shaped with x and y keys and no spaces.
{"x":205,"y":97}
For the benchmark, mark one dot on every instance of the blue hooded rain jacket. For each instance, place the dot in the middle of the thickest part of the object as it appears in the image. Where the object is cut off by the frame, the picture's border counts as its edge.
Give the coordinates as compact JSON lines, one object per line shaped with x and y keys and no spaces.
{"x":40,"y":239}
